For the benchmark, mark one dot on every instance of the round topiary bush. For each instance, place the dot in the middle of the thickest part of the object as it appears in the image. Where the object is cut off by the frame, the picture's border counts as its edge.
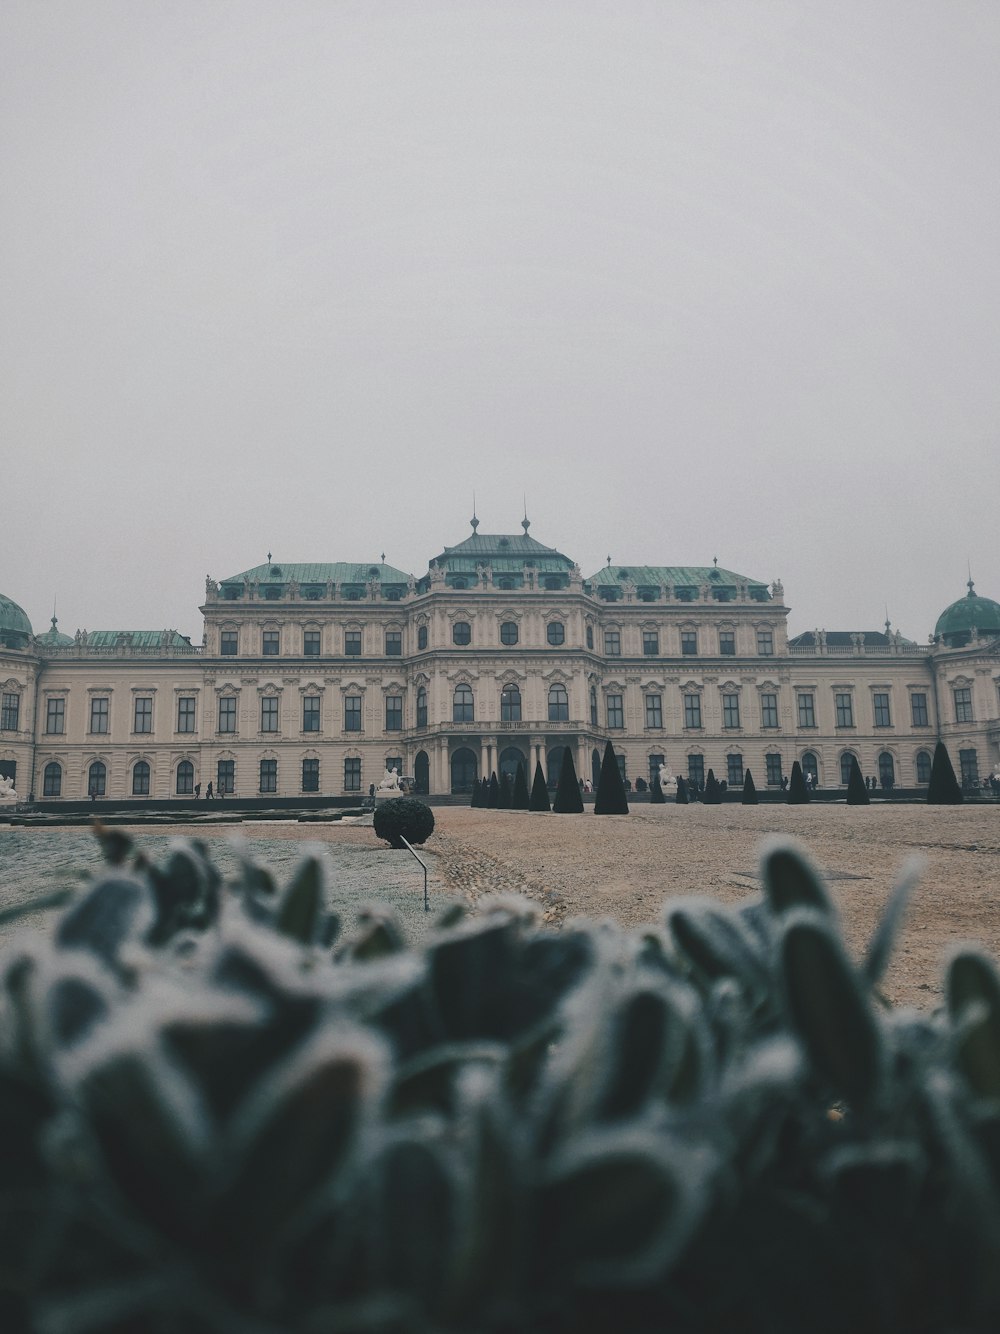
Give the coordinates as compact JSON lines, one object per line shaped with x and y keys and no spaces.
{"x":403,"y":817}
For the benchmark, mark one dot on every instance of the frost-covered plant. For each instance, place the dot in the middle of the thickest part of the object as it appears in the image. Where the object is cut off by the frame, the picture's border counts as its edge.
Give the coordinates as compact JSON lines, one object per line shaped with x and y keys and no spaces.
{"x":223,"y":1110}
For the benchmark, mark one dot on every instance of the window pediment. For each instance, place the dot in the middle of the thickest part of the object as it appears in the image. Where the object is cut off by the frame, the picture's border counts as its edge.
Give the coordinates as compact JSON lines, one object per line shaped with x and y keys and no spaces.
{"x":311,"y":688}
{"x":269,"y":689}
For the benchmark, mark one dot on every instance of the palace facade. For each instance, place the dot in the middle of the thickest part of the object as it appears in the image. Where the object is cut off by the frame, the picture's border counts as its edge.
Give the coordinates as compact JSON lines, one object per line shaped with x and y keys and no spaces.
{"x":315,"y":678}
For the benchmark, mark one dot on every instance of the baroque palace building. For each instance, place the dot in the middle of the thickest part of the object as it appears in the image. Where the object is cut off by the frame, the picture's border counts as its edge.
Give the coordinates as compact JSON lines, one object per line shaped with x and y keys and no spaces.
{"x":314,"y":679}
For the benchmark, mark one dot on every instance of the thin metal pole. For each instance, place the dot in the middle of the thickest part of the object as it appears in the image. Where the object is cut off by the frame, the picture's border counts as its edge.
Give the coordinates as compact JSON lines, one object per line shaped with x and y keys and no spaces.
{"x":427,"y":902}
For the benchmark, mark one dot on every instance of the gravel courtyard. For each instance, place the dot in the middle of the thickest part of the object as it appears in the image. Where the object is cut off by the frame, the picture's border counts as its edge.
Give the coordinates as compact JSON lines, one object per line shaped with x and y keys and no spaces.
{"x":626,"y":866}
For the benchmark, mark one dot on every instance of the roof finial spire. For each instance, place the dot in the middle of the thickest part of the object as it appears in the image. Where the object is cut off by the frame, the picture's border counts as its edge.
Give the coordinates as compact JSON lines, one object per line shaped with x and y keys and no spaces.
{"x":609,"y":560}
{"x":474,"y":521}
{"x":525,"y":522}
{"x":971,"y":585}
{"x":382,"y":558}
{"x":269,"y":558}
{"x":888,"y":623}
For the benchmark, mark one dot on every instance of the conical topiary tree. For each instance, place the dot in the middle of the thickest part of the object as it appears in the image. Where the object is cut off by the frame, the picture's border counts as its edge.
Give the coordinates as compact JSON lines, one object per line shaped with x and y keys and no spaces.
{"x":798,"y":793}
{"x":506,"y":791}
{"x":682,"y":791}
{"x":749,"y":790}
{"x":712,"y":796}
{"x":656,"y":796}
{"x":539,"y":798}
{"x":519,"y":798}
{"x":568,"y":800}
{"x":610,"y":798}
{"x":943,"y":789}
{"x":484,"y":792}
{"x":477,"y":793}
{"x":857,"y":793}
{"x":493,"y":793}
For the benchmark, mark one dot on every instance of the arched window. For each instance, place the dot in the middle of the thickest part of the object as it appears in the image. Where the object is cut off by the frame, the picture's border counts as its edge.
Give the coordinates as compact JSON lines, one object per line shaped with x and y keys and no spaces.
{"x":558,"y":704}
{"x":52,"y":780}
{"x":140,"y":779}
{"x":421,"y":636}
{"x":97,"y":779}
{"x":461,"y":633}
{"x":510,"y":704}
{"x":508,"y":633}
{"x":185,"y":778}
{"x":810,"y":768}
{"x":421,"y":706}
{"x":555,"y":633}
{"x":886,"y":770}
{"x":593,"y":706}
{"x":590,"y":636}
{"x":845,"y":767}
{"x":923,"y":766}
{"x":463,"y":708}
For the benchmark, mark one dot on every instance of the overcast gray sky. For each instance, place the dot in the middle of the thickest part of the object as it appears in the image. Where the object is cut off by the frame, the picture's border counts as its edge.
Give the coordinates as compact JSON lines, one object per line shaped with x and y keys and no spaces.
{"x":699,"y":279}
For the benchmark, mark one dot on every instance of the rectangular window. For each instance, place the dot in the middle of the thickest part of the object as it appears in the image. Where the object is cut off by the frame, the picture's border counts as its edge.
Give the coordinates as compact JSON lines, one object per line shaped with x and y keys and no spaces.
{"x":225,"y":777}
{"x":689,"y":643}
{"x":311,"y":643}
{"x":393,"y":643}
{"x":727,"y":643}
{"x":963,"y":704}
{"x":768,"y":710}
{"x":10,"y":711}
{"x":734,"y":770}
{"x":394,"y":713}
{"x":773,"y":763}
{"x":421,"y":708}
{"x":271,"y":644}
{"x":269,"y":713}
{"x":55,"y":717}
{"x":394,"y":762}
{"x":99,"y":713}
{"x":227,"y":713}
{"x":656,"y":763}
{"x":229,"y":643}
{"x":352,"y":775}
{"x":613,"y":643}
{"x":968,"y":768}
{"x":696,"y":770}
{"x":143,"y":721}
{"x":807,"y":711}
{"x":310,"y":713}
{"x":352,"y":714}
{"x":844,"y":705}
{"x":269,"y":775}
{"x":185,"y":713}
{"x":765,"y":643}
{"x":310,"y":775}
{"x":692,"y":710}
{"x":730,"y":710}
{"x":880,"y":708}
{"x":616,"y":714}
{"x":654,"y":710}
{"x":52,"y":781}
{"x":650,"y":643}
{"x":352,"y":643}
{"x":918,"y":709}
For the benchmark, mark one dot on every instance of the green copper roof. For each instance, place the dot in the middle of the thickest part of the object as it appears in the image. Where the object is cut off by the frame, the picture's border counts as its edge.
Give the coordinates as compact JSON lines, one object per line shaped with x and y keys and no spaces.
{"x":690,"y":576}
{"x":956,"y":623}
{"x":340,"y":572}
{"x":54,"y":638}
{"x":504,"y":551}
{"x":136,"y":638}
{"x":14,"y":622}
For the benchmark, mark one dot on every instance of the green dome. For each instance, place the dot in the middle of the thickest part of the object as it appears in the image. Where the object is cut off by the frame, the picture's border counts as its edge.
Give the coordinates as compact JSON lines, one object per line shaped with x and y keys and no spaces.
{"x":956,"y":623}
{"x":54,"y":638}
{"x":15,"y":628}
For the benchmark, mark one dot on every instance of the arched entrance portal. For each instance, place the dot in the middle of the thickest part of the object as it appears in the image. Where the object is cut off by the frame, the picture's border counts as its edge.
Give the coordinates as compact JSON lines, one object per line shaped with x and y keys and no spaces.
{"x":463,"y":770}
{"x":422,"y":772}
{"x":510,"y":758}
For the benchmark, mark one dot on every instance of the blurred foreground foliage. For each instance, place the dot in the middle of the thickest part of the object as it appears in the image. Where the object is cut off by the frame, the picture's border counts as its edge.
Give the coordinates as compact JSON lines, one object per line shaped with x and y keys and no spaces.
{"x":222,"y":1111}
